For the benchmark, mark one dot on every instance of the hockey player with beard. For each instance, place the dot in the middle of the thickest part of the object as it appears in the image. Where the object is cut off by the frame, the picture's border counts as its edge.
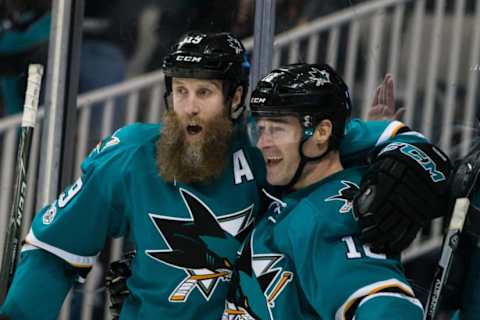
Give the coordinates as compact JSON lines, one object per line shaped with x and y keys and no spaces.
{"x":186,"y":193}
{"x":303,"y":260}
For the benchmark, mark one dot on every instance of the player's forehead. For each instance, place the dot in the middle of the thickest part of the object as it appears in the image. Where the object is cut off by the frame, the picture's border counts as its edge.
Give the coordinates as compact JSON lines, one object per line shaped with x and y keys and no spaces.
{"x":194,"y":83}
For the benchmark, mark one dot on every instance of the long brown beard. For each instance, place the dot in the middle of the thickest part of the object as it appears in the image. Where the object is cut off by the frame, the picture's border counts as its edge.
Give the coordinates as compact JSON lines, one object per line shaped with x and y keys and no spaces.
{"x":195,"y":162}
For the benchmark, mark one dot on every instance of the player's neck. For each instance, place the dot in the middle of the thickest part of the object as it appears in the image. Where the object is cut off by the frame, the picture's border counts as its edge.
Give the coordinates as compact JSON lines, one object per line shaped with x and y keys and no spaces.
{"x":317,"y":171}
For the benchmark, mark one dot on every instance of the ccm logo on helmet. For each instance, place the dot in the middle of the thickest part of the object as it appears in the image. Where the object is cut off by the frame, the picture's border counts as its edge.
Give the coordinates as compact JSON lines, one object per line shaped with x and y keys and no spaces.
{"x":258,"y":100}
{"x":188,"y":58}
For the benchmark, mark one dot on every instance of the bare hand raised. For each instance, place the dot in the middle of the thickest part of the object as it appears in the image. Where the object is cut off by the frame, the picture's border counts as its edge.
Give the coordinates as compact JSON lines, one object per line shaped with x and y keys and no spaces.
{"x":383,"y":106}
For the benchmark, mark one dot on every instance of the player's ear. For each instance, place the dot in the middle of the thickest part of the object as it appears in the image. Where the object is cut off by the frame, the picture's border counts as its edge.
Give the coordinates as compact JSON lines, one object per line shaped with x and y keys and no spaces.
{"x":323,"y":132}
{"x":237,"y":97}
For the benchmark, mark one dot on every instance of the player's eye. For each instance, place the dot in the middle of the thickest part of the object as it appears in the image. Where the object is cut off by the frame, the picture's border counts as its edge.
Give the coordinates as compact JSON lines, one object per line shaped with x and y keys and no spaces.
{"x":277,"y":130}
{"x":180,"y":91}
{"x":204,"y":92}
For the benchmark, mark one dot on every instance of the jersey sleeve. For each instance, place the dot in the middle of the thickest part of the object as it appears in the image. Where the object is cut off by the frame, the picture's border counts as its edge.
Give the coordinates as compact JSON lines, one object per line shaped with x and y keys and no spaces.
{"x":76,"y":226}
{"x":363,"y":138}
{"x":41,"y":282}
{"x":388,"y":306}
{"x":340,"y":278}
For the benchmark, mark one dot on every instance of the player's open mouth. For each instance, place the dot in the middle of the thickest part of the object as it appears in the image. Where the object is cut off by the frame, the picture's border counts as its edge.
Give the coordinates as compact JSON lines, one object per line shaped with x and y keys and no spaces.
{"x":271,"y":161}
{"x":194,"y":129}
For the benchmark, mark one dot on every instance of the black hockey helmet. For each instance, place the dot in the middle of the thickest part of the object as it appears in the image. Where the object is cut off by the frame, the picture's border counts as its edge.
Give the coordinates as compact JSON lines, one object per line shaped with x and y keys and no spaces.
{"x":313,"y":92}
{"x":217,"y":56}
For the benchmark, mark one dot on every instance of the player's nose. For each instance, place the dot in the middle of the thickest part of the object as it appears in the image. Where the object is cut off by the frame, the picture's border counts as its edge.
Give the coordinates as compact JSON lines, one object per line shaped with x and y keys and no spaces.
{"x":191,"y":106}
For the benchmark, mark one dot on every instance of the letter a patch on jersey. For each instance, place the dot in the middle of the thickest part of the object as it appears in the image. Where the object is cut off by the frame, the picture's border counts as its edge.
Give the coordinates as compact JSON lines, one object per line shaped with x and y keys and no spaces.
{"x":241,"y":168}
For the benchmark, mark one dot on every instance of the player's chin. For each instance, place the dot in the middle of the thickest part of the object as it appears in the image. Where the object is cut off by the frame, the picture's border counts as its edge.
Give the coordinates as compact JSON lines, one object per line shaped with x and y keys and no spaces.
{"x":276,"y":176}
{"x":194,"y":138}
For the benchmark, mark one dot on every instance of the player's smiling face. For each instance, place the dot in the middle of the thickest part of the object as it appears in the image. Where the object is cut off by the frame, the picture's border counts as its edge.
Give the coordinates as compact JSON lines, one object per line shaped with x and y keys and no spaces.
{"x":196,"y":102}
{"x":279,"y":139}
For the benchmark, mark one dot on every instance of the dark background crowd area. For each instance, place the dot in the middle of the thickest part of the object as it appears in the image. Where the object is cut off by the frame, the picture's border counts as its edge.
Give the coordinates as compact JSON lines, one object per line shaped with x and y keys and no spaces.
{"x":132,"y":37}
{"x":119,"y":30}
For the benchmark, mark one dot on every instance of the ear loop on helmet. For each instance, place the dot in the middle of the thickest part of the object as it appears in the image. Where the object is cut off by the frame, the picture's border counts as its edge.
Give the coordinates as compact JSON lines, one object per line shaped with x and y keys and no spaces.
{"x":236,"y":115}
{"x":229,"y":88}
{"x":307,"y":134}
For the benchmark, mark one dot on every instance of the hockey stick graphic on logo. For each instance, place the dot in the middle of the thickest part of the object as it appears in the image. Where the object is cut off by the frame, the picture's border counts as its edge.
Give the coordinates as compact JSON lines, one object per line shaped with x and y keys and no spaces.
{"x":450,"y":244}
{"x":12,"y":241}
{"x":181,"y":293}
{"x":285,"y":278}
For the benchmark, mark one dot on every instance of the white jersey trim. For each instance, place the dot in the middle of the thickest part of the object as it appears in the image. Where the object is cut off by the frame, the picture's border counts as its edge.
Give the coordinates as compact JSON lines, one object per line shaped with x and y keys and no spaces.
{"x":282,"y":203}
{"x":413,"y":133}
{"x":73,"y":259}
{"x":390,"y":131}
{"x":29,"y":247}
{"x":371,"y":289}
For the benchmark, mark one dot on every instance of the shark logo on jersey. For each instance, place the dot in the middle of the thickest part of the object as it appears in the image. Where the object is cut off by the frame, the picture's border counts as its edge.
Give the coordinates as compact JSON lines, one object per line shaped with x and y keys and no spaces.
{"x":104,"y":144}
{"x":345,"y":195}
{"x":203,"y":246}
{"x":256,"y":284}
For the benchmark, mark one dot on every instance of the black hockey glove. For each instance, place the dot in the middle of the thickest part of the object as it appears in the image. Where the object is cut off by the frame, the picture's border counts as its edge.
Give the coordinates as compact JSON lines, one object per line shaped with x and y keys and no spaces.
{"x":116,"y":283}
{"x":404,"y":188}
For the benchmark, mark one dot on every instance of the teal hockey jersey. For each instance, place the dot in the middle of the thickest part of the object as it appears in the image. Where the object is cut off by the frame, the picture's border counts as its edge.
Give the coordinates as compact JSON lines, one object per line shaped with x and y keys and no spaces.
{"x":186,"y":236}
{"x":303,"y":261}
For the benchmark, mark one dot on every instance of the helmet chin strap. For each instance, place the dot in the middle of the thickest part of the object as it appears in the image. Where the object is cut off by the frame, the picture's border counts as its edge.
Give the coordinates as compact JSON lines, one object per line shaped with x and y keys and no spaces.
{"x":301,"y":165}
